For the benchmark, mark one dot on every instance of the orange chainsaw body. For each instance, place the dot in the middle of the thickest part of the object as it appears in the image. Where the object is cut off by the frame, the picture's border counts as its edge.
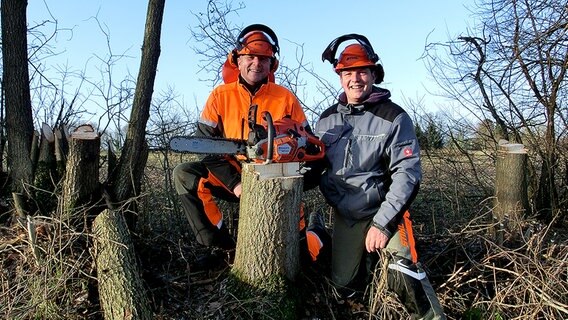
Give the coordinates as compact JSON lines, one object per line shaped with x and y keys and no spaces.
{"x":291,"y":143}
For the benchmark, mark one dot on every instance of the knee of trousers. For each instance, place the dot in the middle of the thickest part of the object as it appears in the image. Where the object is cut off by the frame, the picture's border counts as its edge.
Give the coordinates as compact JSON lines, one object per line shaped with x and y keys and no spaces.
{"x":203,"y":230}
{"x":186,"y":176}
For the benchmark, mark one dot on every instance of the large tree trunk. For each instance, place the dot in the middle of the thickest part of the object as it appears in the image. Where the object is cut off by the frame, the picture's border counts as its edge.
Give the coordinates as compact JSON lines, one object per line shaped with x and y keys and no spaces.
{"x":511,"y":198}
{"x":121,"y":289}
{"x":81,"y":184}
{"x":16,"y":85}
{"x":267,"y":254}
{"x":128,"y":174}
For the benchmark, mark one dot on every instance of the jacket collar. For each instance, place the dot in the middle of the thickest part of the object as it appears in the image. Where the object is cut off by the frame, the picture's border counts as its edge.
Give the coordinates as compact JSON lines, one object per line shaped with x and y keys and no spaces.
{"x":252,"y":88}
{"x":377,"y":95}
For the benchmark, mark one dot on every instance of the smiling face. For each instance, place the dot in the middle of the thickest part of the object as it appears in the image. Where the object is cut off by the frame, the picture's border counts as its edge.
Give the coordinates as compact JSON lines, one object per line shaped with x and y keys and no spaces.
{"x":357,"y":84}
{"x":254,"y":69}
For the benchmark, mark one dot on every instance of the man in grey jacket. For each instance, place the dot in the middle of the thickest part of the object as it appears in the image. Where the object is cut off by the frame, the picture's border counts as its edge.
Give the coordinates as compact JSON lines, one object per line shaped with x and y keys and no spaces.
{"x":372,"y":175}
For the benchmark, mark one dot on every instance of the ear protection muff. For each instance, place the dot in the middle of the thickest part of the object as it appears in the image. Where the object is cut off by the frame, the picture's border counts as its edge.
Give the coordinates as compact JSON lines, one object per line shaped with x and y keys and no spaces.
{"x":273,"y":65}
{"x":233,"y":55}
{"x":331,"y":50}
{"x":379,"y":73}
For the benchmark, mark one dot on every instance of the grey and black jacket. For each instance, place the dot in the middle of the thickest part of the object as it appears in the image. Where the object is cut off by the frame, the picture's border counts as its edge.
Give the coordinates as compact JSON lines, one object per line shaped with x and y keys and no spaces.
{"x":373,"y":159}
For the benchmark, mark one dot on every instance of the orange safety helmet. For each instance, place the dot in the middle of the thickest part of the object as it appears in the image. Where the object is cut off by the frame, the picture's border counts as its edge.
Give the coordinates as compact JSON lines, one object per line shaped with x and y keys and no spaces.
{"x":257,"y":39}
{"x":353,"y":56}
{"x":356,"y":55}
{"x":257,"y":43}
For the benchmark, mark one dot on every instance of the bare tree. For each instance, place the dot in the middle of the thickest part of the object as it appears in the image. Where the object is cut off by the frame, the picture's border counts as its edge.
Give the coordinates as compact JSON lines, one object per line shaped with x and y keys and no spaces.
{"x":15,"y":80}
{"x":214,"y":37}
{"x":165,"y":122}
{"x":512,"y":71}
{"x":127,"y":177}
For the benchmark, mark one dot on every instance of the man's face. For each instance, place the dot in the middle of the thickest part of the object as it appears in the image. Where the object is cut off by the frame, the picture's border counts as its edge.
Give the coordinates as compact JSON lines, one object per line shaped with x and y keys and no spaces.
{"x":357,"y":83}
{"x":254,"y":69}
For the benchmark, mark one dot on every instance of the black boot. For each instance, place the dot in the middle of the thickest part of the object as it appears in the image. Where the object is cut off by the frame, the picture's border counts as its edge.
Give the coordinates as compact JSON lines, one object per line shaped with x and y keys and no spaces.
{"x":411,"y":284}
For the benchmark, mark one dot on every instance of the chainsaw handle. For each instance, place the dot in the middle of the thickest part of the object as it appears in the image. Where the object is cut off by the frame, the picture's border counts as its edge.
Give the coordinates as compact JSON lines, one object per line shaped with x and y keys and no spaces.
{"x":270,"y":125}
{"x":318,"y":144}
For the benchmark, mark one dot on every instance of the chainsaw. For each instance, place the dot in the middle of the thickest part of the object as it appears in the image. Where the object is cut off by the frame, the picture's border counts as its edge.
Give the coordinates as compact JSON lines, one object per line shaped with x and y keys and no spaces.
{"x":283,"y":140}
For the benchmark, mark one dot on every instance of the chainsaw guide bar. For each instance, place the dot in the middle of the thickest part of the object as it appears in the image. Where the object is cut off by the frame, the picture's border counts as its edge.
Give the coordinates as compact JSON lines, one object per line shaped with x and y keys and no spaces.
{"x":206,"y":145}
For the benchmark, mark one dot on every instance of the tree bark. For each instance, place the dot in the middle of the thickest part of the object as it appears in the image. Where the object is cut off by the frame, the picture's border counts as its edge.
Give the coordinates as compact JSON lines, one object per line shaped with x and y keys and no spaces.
{"x":121,"y":290}
{"x":267,"y":258}
{"x":128,"y":174}
{"x":16,"y":85}
{"x":81,"y":183}
{"x":268,"y":234}
{"x":511,"y":198}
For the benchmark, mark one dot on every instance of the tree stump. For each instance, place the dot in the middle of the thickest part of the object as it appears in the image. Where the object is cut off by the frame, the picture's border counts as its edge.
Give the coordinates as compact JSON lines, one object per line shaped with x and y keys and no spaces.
{"x":61,"y":149}
{"x":121,"y":289}
{"x":82,"y":172}
{"x":45,"y":175}
{"x":268,"y":250}
{"x":34,"y":152}
{"x":511,"y":198}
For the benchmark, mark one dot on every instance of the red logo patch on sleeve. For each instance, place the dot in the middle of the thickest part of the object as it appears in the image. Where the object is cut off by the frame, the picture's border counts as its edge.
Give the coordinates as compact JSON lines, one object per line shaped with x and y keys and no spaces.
{"x":407,"y":152}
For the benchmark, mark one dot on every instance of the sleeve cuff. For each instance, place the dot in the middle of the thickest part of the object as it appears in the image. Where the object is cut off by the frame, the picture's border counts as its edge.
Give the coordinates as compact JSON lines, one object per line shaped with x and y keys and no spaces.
{"x":383,"y":229}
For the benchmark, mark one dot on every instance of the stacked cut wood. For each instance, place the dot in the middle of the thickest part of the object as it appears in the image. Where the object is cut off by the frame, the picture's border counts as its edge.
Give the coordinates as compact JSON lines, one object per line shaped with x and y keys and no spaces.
{"x":46,"y":178}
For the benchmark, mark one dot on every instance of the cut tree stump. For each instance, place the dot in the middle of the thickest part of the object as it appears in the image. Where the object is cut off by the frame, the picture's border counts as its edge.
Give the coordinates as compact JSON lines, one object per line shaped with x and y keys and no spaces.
{"x":34,"y":152}
{"x":81,"y":182}
{"x":61,"y":149}
{"x":121,"y":288}
{"x":45,"y":176}
{"x":511,"y":197}
{"x":267,"y":257}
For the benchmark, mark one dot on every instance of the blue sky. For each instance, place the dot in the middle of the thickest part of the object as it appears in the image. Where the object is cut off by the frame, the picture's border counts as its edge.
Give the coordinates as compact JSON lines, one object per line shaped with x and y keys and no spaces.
{"x":398,"y":31}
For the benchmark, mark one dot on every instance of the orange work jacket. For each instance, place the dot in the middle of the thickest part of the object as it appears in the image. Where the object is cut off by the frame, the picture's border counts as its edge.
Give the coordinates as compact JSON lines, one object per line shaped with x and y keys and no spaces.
{"x":226,"y":115}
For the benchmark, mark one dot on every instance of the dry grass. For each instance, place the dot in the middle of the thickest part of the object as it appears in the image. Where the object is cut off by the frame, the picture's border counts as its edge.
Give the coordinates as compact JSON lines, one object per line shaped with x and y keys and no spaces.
{"x":525,"y":278}
{"x":52,"y":283}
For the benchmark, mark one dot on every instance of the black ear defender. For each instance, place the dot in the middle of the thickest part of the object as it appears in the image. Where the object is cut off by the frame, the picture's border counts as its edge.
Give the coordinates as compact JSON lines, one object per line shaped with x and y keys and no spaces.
{"x":331,"y":50}
{"x":268,"y":32}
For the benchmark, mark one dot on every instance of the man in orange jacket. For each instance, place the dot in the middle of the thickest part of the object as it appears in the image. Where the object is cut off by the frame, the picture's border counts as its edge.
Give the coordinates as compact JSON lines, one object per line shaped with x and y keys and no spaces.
{"x":226,"y":115}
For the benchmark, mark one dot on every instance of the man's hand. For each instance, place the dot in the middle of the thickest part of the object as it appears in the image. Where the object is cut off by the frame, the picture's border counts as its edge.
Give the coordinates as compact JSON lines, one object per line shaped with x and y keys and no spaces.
{"x":376,"y":239}
{"x":237,"y":190}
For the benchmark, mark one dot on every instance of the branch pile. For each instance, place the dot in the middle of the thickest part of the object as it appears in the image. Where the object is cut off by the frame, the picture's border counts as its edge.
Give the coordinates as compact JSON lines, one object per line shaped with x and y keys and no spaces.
{"x":525,"y":278}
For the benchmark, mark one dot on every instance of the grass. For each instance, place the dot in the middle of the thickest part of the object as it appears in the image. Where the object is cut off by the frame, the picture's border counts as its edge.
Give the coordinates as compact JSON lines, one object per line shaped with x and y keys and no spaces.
{"x":524,"y":278}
